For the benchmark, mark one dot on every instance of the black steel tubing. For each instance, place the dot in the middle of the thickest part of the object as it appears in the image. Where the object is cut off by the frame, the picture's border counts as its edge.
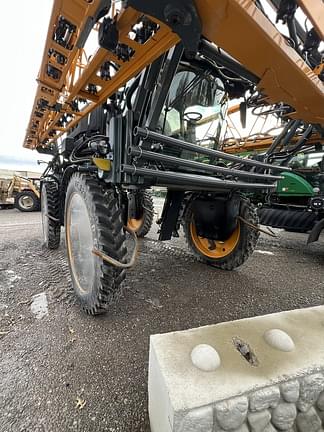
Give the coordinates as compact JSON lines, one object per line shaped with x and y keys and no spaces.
{"x":211,"y":51}
{"x":300,"y":31}
{"x":214,"y":169}
{"x":291,"y":133}
{"x":284,"y":137}
{"x":150,"y":135}
{"x":302,"y":140}
{"x":192,"y":180}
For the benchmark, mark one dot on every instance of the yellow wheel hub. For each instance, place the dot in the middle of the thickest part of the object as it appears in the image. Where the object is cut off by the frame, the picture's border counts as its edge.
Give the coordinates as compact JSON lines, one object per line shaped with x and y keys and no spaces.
{"x":214,"y":249}
{"x":135,"y":224}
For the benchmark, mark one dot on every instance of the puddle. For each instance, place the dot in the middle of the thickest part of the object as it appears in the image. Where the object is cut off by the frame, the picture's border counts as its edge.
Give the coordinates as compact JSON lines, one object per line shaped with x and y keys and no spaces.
{"x":264,"y":252}
{"x":39,"y":306}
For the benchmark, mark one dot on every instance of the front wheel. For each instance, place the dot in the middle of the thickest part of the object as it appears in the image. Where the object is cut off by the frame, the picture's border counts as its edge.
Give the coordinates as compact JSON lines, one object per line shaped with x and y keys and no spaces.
{"x":26,"y":201}
{"x":50,"y":207}
{"x":230,"y":253}
{"x":93,"y":223}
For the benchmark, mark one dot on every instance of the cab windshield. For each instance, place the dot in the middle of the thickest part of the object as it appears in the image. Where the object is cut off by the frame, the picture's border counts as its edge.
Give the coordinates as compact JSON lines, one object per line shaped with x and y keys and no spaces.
{"x":195,"y":108}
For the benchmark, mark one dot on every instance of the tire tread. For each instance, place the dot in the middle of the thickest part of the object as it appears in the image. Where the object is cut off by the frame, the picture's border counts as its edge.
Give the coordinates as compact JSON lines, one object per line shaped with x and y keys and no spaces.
{"x":110,"y":239}
{"x":248,"y":240}
{"x":53,"y":203}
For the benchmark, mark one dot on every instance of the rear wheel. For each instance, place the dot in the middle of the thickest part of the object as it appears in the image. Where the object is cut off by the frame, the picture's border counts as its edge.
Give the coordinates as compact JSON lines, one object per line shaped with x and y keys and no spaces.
{"x":50,"y":206}
{"x":141,"y":225}
{"x":93,"y":222}
{"x":230,"y":253}
{"x":26,"y":201}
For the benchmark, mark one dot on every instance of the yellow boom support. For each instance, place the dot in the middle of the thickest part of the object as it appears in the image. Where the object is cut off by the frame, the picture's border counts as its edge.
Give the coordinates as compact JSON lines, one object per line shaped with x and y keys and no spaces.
{"x":236,"y":26}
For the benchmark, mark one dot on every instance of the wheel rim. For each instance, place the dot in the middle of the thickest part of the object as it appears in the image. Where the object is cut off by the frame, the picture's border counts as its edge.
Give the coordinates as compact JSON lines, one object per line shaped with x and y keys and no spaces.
{"x":215,"y":249}
{"x":26,"y":202}
{"x":44,"y":208}
{"x":135,"y":224}
{"x":80,"y":243}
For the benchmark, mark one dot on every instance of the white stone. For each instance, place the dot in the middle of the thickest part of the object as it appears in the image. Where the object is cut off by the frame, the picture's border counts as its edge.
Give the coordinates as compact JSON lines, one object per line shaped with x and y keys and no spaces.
{"x":284,"y":415}
{"x":321,"y":415}
{"x":290,"y":391}
{"x":205,"y":358}
{"x":217,"y":428}
{"x":198,"y":420}
{"x":309,"y":421}
{"x":243,"y":428}
{"x":269,"y":428}
{"x":320,"y":401}
{"x":279,"y":340}
{"x":310,"y":388}
{"x":264,"y":398}
{"x":231,"y":414}
{"x":259,"y":420}
{"x":39,"y":305}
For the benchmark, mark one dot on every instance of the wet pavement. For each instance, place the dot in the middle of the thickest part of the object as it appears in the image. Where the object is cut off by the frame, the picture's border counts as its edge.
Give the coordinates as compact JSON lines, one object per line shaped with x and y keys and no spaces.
{"x":61,"y":370}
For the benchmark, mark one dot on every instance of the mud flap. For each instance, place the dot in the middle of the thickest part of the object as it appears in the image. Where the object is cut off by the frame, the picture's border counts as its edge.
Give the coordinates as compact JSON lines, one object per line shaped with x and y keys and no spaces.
{"x":316,"y":231}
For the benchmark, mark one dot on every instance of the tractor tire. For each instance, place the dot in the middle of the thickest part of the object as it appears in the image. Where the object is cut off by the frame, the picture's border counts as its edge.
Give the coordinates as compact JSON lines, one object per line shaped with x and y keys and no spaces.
{"x":231,"y":253}
{"x":93,"y":221}
{"x":50,"y":207}
{"x":26,"y":201}
{"x":142,"y":225}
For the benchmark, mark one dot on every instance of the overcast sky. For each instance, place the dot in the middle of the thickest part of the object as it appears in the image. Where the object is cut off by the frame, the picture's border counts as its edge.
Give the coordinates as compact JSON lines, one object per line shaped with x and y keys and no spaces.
{"x":23,"y":31}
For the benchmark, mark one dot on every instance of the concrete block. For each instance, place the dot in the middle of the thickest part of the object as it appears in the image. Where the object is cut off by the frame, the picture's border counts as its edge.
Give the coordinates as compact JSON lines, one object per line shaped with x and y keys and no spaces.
{"x":187,"y":393}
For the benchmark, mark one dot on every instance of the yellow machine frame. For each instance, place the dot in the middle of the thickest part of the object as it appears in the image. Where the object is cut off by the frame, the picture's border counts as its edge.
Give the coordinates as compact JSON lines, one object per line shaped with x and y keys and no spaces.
{"x":255,"y":43}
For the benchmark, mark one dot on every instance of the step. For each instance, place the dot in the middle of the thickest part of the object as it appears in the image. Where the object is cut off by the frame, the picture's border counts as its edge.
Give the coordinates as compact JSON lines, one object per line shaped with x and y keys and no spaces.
{"x":257,"y":374}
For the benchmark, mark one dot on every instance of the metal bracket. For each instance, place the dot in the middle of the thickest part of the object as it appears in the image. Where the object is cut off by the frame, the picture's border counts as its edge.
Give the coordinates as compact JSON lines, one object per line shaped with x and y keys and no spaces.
{"x":180,"y":15}
{"x":170,"y":214}
{"x":286,"y":10}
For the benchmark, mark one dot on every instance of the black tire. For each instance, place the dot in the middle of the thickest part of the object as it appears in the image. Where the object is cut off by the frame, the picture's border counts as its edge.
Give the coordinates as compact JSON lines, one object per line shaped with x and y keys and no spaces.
{"x":147,"y":215}
{"x":247,"y":239}
{"x":107,"y":235}
{"x":50,"y":207}
{"x":26,"y":201}
{"x":292,"y":230}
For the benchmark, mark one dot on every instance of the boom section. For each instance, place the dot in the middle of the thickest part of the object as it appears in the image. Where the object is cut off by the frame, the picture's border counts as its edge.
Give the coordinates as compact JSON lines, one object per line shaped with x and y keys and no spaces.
{"x":71,"y":84}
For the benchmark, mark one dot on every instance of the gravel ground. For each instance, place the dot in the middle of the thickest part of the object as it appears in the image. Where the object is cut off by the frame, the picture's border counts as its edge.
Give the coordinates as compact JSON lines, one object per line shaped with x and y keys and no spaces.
{"x":67,"y":371}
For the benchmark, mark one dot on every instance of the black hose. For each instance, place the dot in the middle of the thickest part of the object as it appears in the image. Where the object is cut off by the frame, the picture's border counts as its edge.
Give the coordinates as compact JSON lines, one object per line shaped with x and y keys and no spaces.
{"x":130,"y":93}
{"x":293,"y":34}
{"x":83,"y":143}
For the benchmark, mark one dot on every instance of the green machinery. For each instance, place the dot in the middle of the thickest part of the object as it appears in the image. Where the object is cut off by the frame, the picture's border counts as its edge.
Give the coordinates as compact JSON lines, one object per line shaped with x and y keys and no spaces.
{"x":298,"y":203}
